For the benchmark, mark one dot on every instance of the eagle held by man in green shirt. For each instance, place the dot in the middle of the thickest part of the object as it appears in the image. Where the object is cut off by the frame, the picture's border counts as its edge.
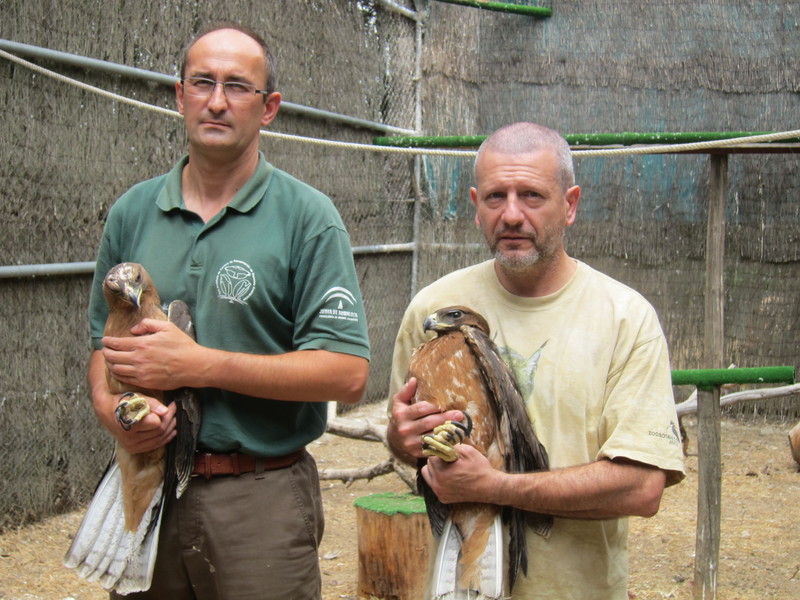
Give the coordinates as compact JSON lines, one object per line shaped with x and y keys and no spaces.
{"x":117,"y":539}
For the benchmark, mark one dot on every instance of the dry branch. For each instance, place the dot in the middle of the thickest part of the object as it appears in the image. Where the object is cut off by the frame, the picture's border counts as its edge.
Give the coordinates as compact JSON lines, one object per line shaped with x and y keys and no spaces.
{"x":357,"y":429}
{"x":689,"y":406}
{"x":349,"y":475}
{"x":361,"y":429}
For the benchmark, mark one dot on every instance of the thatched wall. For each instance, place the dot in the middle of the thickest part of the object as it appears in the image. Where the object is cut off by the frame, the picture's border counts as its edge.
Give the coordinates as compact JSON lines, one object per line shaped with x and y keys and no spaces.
{"x":604,"y":66}
{"x":595,"y":66}
{"x":67,"y":154}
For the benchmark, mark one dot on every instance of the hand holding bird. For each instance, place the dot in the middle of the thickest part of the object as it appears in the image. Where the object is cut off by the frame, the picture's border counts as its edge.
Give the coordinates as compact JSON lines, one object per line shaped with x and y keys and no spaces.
{"x":470,"y":478}
{"x":154,"y":355}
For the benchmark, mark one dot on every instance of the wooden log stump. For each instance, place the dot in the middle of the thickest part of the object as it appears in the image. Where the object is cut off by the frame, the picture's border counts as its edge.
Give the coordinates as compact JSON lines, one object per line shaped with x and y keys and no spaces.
{"x":794,"y":443}
{"x":393,"y":546}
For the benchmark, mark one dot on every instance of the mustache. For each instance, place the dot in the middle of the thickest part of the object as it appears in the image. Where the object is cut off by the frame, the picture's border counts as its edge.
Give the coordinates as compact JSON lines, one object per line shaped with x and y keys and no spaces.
{"x":514,"y":231}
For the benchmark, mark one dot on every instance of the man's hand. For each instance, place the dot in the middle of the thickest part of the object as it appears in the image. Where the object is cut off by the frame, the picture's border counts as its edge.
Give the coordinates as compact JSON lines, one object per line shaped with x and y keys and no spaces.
{"x":409,"y":421}
{"x":159,"y":356}
{"x":471,"y":478}
{"x":156,"y":429}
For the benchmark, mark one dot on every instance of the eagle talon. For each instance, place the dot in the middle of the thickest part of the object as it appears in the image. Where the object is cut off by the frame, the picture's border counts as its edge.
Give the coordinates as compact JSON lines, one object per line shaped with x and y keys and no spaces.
{"x":131,"y":409}
{"x":445,"y":438}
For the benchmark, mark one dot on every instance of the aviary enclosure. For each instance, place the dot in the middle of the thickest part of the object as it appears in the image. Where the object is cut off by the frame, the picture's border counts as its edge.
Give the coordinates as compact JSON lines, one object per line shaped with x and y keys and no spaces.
{"x":709,"y":234}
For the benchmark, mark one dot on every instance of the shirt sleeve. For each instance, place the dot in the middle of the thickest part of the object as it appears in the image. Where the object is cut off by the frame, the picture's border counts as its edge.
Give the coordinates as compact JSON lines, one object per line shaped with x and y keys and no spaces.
{"x":107,"y":257}
{"x":328,"y":305}
{"x":639,"y":419}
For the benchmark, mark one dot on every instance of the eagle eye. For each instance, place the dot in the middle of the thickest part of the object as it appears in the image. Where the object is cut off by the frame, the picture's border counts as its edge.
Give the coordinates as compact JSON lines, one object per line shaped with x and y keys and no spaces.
{"x":455,"y":314}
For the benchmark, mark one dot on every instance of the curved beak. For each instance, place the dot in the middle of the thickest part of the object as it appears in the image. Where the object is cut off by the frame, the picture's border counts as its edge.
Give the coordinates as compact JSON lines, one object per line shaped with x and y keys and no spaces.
{"x":430,"y":323}
{"x":134,"y":295}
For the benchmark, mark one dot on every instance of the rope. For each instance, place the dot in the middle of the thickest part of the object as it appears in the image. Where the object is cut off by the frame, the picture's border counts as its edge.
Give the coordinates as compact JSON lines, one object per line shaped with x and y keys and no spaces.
{"x":694,"y":146}
{"x":176,"y":114}
{"x":665,"y":148}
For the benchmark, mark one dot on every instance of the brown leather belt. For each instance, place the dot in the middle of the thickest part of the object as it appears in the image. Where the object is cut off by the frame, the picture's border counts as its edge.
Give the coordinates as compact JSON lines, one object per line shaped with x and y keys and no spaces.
{"x":210,"y":465}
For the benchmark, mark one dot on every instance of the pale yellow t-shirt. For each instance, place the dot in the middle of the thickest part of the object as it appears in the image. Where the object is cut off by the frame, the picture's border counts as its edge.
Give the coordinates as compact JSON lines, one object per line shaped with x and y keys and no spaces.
{"x":592,"y":363}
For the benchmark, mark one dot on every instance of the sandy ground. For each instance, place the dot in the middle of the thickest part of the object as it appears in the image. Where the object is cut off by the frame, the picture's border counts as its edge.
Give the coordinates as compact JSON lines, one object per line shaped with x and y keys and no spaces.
{"x":759,"y":554}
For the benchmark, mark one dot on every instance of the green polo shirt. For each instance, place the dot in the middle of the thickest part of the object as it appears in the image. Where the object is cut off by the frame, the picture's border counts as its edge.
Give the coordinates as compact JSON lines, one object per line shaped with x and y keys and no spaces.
{"x":271,"y":273}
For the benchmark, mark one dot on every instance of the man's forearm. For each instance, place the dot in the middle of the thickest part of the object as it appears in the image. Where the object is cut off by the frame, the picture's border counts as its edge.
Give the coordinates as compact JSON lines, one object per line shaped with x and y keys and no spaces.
{"x":601,"y":490}
{"x":304,"y":375}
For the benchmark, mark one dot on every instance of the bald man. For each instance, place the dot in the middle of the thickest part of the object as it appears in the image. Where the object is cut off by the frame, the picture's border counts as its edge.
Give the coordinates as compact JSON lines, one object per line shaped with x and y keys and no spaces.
{"x":591,"y":361}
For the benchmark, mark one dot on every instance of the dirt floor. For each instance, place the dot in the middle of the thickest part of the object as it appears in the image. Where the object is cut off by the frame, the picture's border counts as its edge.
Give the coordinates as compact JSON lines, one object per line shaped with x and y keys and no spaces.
{"x":759,"y":555}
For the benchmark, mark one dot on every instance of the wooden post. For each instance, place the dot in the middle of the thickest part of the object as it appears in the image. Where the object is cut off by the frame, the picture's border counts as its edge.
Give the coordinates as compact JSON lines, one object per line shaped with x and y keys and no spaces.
{"x":709,"y":470}
{"x":714,"y":317}
{"x":709,"y":494}
{"x":393,"y":547}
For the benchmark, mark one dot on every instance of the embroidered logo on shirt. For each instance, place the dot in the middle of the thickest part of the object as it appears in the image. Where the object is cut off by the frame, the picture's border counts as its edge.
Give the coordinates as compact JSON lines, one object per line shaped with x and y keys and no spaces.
{"x":337,"y":301}
{"x":236,"y":281}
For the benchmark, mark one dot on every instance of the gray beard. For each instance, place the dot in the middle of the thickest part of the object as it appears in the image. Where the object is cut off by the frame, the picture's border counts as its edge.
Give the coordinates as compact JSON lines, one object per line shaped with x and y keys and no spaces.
{"x":518,"y":264}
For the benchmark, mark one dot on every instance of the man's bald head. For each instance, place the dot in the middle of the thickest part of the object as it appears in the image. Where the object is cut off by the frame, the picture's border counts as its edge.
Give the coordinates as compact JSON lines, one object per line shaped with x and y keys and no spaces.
{"x":529,"y":138}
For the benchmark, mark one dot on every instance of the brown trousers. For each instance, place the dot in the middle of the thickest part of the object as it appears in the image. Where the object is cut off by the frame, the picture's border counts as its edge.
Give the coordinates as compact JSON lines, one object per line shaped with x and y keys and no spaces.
{"x":251,"y":537}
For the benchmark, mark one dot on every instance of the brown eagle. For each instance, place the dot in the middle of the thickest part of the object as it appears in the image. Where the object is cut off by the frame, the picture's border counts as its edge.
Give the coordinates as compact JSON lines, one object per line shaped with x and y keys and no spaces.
{"x":461,"y":369}
{"x":117,"y":539}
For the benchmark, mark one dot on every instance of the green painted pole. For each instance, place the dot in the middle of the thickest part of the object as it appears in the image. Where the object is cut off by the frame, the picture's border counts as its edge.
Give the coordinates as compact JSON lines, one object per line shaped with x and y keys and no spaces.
{"x":706,"y":379}
{"x":576,"y":139}
{"x":520,"y":9}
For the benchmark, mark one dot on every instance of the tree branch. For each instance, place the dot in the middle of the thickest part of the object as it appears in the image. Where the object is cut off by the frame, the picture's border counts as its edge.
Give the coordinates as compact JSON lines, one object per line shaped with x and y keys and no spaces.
{"x":357,"y":429}
{"x":689,"y":406}
{"x":348,"y":476}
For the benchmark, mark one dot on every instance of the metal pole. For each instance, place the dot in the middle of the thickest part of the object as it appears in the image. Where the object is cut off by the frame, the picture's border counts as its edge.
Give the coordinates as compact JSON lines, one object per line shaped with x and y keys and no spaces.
{"x":417,"y":175}
{"x":84,"y":268}
{"x":169,"y":80}
{"x":45,"y":270}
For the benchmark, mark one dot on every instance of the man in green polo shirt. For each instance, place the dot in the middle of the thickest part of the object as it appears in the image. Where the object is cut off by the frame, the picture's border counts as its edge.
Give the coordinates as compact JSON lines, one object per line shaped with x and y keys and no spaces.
{"x":264,"y":263}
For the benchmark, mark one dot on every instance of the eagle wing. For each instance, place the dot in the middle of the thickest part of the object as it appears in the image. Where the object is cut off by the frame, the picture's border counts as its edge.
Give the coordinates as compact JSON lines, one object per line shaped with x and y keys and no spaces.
{"x":180,"y":451}
{"x":522,"y":450}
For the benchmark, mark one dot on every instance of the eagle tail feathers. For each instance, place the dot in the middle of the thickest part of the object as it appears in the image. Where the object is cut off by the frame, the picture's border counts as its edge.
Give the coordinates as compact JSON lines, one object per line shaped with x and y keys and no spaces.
{"x":104,"y":551}
{"x":447,"y":572}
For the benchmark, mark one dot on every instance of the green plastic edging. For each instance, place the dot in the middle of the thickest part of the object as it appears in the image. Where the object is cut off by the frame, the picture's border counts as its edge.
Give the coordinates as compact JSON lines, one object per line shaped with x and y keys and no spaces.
{"x":577,"y":139}
{"x":392,"y":503}
{"x":709,"y":378}
{"x":520,"y":9}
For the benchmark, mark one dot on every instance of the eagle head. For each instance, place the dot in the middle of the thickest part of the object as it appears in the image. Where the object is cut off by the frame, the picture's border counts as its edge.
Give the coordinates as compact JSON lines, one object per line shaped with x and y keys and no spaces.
{"x":454,"y":318}
{"x":128,"y":283}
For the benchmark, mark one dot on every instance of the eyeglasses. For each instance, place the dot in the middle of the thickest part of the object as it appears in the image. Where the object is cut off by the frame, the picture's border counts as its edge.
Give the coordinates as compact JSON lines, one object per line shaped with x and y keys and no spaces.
{"x":235,"y":91}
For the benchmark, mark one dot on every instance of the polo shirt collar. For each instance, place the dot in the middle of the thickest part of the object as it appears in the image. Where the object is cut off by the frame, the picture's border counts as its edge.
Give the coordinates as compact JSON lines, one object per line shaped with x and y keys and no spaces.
{"x":171,"y":196}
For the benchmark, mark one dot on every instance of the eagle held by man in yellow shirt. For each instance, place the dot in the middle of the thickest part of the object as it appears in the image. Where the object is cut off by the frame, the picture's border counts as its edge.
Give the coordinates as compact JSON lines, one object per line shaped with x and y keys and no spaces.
{"x":461,"y":369}
{"x":116,"y":542}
